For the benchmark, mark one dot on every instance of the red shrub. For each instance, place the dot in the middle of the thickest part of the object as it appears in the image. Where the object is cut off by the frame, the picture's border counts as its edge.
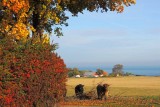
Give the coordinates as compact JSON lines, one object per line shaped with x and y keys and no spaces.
{"x":30,"y":75}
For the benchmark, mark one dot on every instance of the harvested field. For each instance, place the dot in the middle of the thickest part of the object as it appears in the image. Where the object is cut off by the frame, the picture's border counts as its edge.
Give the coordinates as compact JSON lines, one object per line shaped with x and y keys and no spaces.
{"x":141,"y":91}
{"x":124,"y":86}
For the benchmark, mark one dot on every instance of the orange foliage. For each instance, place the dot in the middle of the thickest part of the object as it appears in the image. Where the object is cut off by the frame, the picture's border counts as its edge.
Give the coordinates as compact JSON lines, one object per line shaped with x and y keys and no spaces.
{"x":16,"y":5}
{"x":17,"y":29}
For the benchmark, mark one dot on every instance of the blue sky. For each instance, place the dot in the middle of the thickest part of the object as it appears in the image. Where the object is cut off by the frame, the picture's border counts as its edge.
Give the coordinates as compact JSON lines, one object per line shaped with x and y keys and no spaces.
{"x":131,"y":38}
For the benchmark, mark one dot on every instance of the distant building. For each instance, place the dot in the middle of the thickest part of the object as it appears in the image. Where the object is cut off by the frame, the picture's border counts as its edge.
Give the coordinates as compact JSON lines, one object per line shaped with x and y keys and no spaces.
{"x":93,"y":74}
{"x":117,"y":75}
{"x":77,"y":76}
{"x":90,"y":74}
{"x":96,"y":76}
{"x":103,"y":75}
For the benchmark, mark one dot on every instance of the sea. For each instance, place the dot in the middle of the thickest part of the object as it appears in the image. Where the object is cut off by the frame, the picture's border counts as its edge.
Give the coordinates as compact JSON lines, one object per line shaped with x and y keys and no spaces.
{"x":136,"y":70}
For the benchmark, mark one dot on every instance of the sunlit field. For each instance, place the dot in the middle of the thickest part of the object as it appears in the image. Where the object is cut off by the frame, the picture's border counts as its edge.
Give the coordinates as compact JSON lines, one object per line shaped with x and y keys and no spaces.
{"x":141,"y":91}
{"x":122,"y":86}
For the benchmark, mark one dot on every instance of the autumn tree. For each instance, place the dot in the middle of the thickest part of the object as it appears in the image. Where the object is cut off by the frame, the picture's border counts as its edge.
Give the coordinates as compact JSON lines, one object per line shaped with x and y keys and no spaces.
{"x":22,"y":19}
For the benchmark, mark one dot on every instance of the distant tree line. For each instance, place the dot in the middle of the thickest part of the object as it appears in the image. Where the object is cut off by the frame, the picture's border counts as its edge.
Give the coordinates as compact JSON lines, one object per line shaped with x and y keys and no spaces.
{"x":117,"y":70}
{"x":72,"y":72}
{"x":75,"y":71}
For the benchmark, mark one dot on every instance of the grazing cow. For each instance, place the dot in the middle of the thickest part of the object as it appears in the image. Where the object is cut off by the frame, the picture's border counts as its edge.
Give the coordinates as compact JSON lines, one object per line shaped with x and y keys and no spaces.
{"x":102,"y":91}
{"x":79,"y":91}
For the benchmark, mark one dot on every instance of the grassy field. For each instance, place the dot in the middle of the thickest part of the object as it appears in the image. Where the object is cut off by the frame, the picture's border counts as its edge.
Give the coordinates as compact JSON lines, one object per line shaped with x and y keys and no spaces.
{"x":133,"y":91}
{"x":119,"y":86}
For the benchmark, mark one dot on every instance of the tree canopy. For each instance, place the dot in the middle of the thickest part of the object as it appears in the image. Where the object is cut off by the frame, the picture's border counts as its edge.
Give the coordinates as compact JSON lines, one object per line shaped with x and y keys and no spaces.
{"x":22,"y":19}
{"x":118,"y":69}
{"x":99,"y":72}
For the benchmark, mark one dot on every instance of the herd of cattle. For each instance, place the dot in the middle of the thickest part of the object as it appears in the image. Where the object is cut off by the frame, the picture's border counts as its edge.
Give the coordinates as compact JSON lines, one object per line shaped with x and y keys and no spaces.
{"x":102,"y":91}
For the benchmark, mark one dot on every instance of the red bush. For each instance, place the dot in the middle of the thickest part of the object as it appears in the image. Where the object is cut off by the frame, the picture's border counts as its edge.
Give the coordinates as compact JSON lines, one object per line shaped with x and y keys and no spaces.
{"x":30,"y":75}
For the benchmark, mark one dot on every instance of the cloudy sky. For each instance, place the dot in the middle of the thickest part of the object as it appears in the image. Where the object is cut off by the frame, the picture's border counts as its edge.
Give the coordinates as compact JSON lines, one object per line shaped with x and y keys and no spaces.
{"x":131,"y":38}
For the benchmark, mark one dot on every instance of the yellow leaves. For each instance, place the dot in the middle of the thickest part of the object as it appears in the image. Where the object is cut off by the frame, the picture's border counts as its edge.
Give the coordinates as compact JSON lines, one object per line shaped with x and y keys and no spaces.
{"x":17,"y":31}
{"x":20,"y":31}
{"x":23,"y":15}
{"x":44,"y":6}
{"x":59,"y":8}
{"x":45,"y":39}
{"x":57,"y":20}
{"x":7,"y":28}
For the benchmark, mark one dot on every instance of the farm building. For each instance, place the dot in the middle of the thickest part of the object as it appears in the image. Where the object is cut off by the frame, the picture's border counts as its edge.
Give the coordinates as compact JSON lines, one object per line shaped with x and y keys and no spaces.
{"x":77,"y":76}
{"x":90,"y":74}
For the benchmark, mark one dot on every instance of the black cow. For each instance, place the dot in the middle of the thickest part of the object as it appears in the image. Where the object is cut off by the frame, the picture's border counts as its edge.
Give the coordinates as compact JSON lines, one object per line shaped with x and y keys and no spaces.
{"x":79,"y":91}
{"x":102,"y":91}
